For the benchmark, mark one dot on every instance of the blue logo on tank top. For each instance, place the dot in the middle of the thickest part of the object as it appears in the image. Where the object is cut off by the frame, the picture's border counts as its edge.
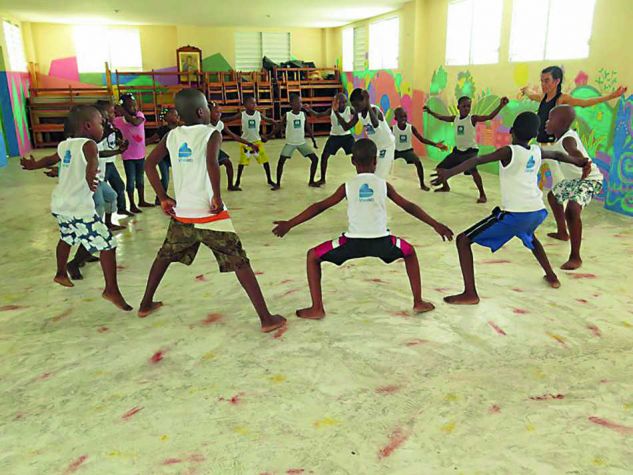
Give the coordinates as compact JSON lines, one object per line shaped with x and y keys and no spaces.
{"x":530,"y":164}
{"x":67,"y":157}
{"x":297,"y":123}
{"x":184,"y":153}
{"x":365,"y":193}
{"x":251,"y":123}
{"x":370,"y":129}
{"x":460,"y":130}
{"x":403,"y":138}
{"x":382,"y":153}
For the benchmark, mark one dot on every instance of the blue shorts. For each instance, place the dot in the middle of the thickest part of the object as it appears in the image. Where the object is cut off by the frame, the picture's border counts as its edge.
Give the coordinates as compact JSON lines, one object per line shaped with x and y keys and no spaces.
{"x":501,"y":226}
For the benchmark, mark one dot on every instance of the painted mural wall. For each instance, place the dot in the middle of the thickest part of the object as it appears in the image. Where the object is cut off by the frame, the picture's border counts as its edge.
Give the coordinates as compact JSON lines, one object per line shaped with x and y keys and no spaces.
{"x":605,"y":129}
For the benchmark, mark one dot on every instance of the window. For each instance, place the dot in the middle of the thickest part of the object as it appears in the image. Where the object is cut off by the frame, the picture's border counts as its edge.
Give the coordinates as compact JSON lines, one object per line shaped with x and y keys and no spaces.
{"x":360,"y":48}
{"x":384,"y":44}
{"x":348,"y":49}
{"x":252,"y":46}
{"x":15,"y":46}
{"x":551,"y":29}
{"x":96,"y":45}
{"x":473,"y":32}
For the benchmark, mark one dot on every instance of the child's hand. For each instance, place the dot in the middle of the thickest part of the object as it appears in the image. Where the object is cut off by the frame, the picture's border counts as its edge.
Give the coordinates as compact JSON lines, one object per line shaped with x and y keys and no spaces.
{"x":504,"y":101}
{"x":586,"y":169}
{"x":217,"y":206}
{"x":167,"y":205}
{"x":94,"y":183}
{"x":618,"y":92}
{"x":282,"y":228}
{"x":441,"y":176}
{"x":124,"y":145}
{"x":27,"y":163}
{"x":444,"y":231}
{"x":255,"y":147}
{"x":426,"y":109}
{"x":442,"y":146}
{"x":53,"y":172}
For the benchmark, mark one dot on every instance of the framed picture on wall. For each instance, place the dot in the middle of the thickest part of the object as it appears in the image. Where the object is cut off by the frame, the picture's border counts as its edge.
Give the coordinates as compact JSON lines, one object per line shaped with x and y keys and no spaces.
{"x":189,"y":60}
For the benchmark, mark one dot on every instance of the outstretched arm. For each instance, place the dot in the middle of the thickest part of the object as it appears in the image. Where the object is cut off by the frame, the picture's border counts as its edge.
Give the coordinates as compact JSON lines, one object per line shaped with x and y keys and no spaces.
{"x":233,"y":117}
{"x":573,"y":155}
{"x":312,"y":112}
{"x":443,"y":118}
{"x":239,"y":139}
{"x":45,"y":162}
{"x":574,"y":101}
{"x":416,"y":211}
{"x":91,"y":153}
{"x":283,"y":227}
{"x":533,"y":96}
{"x":483,"y":118}
{"x":268,"y":120}
{"x":310,"y":130}
{"x":426,"y":141}
{"x":503,"y":155}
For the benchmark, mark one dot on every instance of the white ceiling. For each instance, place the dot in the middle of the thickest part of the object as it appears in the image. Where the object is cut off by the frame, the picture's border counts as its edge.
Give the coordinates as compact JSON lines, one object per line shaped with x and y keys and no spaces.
{"x":247,"y":13}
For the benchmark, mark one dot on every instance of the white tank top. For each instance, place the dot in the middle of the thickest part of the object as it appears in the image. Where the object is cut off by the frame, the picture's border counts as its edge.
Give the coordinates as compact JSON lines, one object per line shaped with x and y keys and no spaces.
{"x":295,"y":128}
{"x":250,"y":126}
{"x":381,"y":136}
{"x":219,"y":126}
{"x":187,"y":147}
{"x":571,"y":172}
{"x":519,"y":180}
{"x":404,"y":139}
{"x":72,"y":196}
{"x":465,"y":133}
{"x":337,"y":129}
{"x":366,"y":206}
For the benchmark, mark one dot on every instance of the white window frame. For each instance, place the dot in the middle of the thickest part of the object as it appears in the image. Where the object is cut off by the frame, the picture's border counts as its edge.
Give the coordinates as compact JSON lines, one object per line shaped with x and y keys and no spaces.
{"x":15,"y":46}
{"x":360,"y":47}
{"x":276,"y":46}
{"x":347,"y":41}
{"x":389,"y":57}
{"x":470,"y":36}
{"x":92,"y":55}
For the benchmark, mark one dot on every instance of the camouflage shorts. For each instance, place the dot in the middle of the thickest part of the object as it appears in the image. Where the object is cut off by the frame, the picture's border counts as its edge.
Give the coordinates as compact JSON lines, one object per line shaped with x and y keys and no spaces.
{"x":183,"y":240}
{"x":580,"y":191}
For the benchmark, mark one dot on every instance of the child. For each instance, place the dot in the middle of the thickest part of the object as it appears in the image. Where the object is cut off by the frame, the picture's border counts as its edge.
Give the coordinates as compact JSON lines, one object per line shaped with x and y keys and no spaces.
{"x":251,"y":119}
{"x":169,"y":116}
{"x":132,"y":127}
{"x":376,"y":129}
{"x":111,"y":146}
{"x":72,"y":203}
{"x":578,"y":186}
{"x":339,"y":137}
{"x":402,"y":132}
{"x":522,"y":209}
{"x":465,"y":140}
{"x":368,"y":235}
{"x":198,"y":214}
{"x":223,"y":158}
{"x":296,"y":122}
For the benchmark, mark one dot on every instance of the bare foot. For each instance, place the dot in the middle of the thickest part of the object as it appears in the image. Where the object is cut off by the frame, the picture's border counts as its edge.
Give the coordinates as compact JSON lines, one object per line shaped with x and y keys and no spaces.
{"x":124,"y":212}
{"x":311,"y":313}
{"x":115,"y":227}
{"x":63,"y":280}
{"x":572,"y":264}
{"x":462,"y":299}
{"x":134,"y":209}
{"x":552,"y":281}
{"x":144,"y":311}
{"x":275,"y":187}
{"x":92,"y":259}
{"x":443,"y":189}
{"x":272,"y":323}
{"x":423,"y":306}
{"x":425,"y":188}
{"x":234,"y":188}
{"x":321,"y":182}
{"x":117,"y":299}
{"x":73,"y":271}
{"x":145,"y":204}
{"x":560,"y":237}
{"x":271,"y":183}
{"x":482,"y":199}
{"x":314,"y":184}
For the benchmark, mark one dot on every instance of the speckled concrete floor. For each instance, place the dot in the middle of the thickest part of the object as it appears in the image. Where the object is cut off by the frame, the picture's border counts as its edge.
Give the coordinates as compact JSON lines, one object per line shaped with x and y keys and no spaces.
{"x":533,"y":380}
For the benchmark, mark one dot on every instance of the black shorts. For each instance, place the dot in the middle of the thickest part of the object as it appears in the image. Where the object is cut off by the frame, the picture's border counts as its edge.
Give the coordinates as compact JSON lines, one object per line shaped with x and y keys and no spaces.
{"x":223,"y":156}
{"x":336,"y":142}
{"x":409,"y":156}
{"x":457,"y":157}
{"x":388,"y":249}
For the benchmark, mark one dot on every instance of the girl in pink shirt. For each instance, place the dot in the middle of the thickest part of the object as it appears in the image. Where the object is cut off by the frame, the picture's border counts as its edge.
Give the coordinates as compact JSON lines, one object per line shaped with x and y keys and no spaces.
{"x":132,"y":127}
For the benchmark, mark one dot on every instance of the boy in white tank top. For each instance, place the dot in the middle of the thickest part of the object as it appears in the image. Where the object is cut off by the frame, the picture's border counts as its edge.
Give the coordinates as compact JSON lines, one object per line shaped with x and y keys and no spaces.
{"x":368,"y":235}
{"x":465,"y":140}
{"x":251,"y":120}
{"x":403,"y":133}
{"x":578,"y":186}
{"x":522,"y":209}
{"x":296,"y":125}
{"x":339,"y":138}
{"x":376,"y":129}
{"x":72,"y":203}
{"x":198,"y":215}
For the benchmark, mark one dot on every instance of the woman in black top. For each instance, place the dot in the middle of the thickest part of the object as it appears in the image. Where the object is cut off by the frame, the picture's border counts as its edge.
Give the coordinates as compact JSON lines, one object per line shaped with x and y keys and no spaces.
{"x":171,"y":120}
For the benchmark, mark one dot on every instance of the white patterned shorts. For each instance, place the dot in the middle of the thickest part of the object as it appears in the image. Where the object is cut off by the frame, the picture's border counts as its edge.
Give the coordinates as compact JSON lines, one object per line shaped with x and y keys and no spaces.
{"x":580,"y":191}
{"x":91,"y":233}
